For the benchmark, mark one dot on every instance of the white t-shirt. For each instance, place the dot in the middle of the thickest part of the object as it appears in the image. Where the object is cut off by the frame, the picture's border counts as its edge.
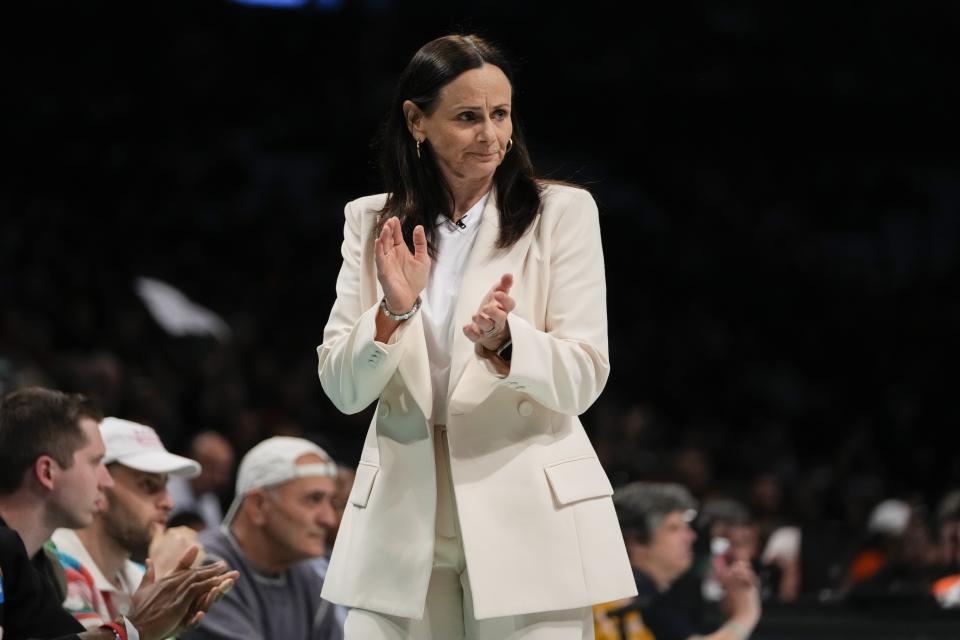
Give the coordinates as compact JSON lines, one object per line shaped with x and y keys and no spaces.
{"x":439,"y":298}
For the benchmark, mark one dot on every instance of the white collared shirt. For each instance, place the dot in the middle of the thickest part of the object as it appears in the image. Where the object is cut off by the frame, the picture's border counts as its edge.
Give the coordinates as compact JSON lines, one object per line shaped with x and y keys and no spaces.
{"x":439,"y":299}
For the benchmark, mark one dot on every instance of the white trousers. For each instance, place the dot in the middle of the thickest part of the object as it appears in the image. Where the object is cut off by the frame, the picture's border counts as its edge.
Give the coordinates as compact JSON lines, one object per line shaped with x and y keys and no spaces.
{"x":448,"y":614}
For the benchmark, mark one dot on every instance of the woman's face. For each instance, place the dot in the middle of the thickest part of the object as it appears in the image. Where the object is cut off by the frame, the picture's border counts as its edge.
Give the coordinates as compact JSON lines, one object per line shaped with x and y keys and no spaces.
{"x":470,"y":125}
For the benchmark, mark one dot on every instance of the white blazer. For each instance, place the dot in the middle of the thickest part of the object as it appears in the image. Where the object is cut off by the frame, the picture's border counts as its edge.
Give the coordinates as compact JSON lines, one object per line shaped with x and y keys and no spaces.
{"x":537,"y":523}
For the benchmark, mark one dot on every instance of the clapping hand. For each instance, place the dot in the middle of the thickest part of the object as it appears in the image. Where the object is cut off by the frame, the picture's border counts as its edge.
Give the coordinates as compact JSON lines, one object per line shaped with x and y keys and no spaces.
{"x":489,"y":327}
{"x":403,"y":275}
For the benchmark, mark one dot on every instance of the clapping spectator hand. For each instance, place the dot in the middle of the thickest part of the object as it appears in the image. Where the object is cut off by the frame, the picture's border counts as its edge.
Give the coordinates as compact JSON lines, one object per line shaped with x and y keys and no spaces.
{"x":163,"y":606}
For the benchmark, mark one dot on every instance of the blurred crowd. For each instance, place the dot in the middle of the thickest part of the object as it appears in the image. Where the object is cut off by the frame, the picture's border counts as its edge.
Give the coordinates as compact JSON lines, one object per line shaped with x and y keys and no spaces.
{"x":828,"y":532}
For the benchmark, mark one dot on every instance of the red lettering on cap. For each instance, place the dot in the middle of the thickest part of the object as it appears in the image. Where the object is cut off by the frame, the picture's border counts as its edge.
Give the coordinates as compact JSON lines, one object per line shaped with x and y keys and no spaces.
{"x":146,"y":438}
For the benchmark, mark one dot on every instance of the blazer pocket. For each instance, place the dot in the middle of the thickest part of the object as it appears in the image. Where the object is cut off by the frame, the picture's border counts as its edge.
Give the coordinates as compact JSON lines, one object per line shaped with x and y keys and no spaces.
{"x":578,"y":479}
{"x":363,"y":483}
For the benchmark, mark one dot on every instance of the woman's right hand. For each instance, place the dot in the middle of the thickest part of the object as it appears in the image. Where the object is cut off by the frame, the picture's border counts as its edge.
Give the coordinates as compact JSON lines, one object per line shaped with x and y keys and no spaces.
{"x":403,"y":275}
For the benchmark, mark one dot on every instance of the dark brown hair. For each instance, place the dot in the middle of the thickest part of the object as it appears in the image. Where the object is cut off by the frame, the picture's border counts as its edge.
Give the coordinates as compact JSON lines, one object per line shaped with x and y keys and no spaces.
{"x":35,"y":422}
{"x":417,"y":191}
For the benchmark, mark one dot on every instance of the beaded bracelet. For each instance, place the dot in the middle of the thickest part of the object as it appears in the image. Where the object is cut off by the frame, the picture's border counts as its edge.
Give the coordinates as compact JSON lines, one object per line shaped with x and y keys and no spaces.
{"x":399,"y":317}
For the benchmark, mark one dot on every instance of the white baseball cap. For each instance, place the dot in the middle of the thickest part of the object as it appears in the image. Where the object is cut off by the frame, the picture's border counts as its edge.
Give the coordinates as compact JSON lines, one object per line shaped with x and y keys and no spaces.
{"x":138,"y":446}
{"x":274,"y":462}
{"x":890,"y":517}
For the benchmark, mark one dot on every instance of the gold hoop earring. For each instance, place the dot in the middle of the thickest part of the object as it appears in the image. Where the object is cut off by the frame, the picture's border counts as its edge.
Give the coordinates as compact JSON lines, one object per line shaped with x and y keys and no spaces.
{"x":509,"y":146}
{"x":418,"y":148}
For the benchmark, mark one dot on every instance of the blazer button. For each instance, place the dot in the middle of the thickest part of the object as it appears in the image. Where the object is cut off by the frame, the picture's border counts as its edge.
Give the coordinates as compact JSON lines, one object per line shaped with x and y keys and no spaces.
{"x":384,"y":410}
{"x":525,"y":408}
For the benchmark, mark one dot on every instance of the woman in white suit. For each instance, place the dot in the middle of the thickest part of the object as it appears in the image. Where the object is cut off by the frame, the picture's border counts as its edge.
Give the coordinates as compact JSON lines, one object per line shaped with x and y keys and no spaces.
{"x":471,"y":306}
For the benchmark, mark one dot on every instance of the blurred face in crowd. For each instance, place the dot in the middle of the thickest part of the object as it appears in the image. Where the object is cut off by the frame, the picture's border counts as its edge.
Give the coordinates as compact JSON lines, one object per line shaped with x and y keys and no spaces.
{"x":469,"y":126}
{"x":137,"y":508}
{"x":297,"y":515}
{"x":670,"y":551}
{"x":215,"y":456}
{"x":744,"y":539}
{"x":950,"y":543}
{"x":766,"y":494}
{"x":77,"y":492}
{"x":915,"y":546}
{"x":693,"y":466}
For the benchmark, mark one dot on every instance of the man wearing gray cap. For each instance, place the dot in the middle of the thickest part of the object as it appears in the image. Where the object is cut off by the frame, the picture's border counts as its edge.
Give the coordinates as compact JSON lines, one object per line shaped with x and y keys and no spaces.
{"x":277,"y":522}
{"x":101,"y":577}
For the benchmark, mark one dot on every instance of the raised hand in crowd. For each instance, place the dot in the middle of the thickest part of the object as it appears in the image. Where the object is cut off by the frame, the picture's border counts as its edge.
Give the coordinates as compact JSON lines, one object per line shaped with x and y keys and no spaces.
{"x":742,"y":600}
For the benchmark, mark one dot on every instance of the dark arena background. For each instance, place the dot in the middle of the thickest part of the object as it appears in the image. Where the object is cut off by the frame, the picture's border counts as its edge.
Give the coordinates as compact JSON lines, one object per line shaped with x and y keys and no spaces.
{"x":779,"y":187}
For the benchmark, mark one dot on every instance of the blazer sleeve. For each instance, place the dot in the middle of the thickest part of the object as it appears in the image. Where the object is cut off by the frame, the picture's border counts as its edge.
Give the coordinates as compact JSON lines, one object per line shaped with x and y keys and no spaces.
{"x":354,"y":368}
{"x":565,"y":366}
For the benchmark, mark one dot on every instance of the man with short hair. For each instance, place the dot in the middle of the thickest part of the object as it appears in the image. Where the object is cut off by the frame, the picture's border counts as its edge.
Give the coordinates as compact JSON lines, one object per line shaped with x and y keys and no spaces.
{"x":277,"y":522}
{"x":52,"y":475}
{"x":101,"y":577}
{"x":655,"y":519}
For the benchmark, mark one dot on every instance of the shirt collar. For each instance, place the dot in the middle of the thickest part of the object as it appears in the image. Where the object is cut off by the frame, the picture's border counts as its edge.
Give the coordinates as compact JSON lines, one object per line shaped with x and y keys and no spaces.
{"x":470,"y":220}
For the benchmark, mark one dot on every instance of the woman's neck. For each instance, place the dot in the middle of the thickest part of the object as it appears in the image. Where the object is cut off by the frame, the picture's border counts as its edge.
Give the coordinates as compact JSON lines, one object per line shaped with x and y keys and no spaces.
{"x":466,"y":194}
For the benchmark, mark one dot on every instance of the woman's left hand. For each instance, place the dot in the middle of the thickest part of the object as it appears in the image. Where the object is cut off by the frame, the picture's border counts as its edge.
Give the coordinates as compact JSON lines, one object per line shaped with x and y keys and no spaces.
{"x":489,"y":327}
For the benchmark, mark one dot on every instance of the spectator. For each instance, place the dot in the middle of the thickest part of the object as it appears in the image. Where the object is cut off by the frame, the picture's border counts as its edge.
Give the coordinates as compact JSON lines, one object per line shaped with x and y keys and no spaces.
{"x":101,"y":577}
{"x":783,"y":551}
{"x":728,"y":525}
{"x":946,"y":587}
{"x":888,"y":522}
{"x":948,"y":520}
{"x":766,"y":500}
{"x":278,"y":521}
{"x":201,"y":495}
{"x":655,"y":519}
{"x":52,"y":475}
{"x":898,"y":558}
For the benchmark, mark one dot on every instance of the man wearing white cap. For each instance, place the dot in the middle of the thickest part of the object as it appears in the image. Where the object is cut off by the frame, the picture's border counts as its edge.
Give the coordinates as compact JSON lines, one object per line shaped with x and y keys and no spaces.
{"x":277,"y":522}
{"x":101,"y":577}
